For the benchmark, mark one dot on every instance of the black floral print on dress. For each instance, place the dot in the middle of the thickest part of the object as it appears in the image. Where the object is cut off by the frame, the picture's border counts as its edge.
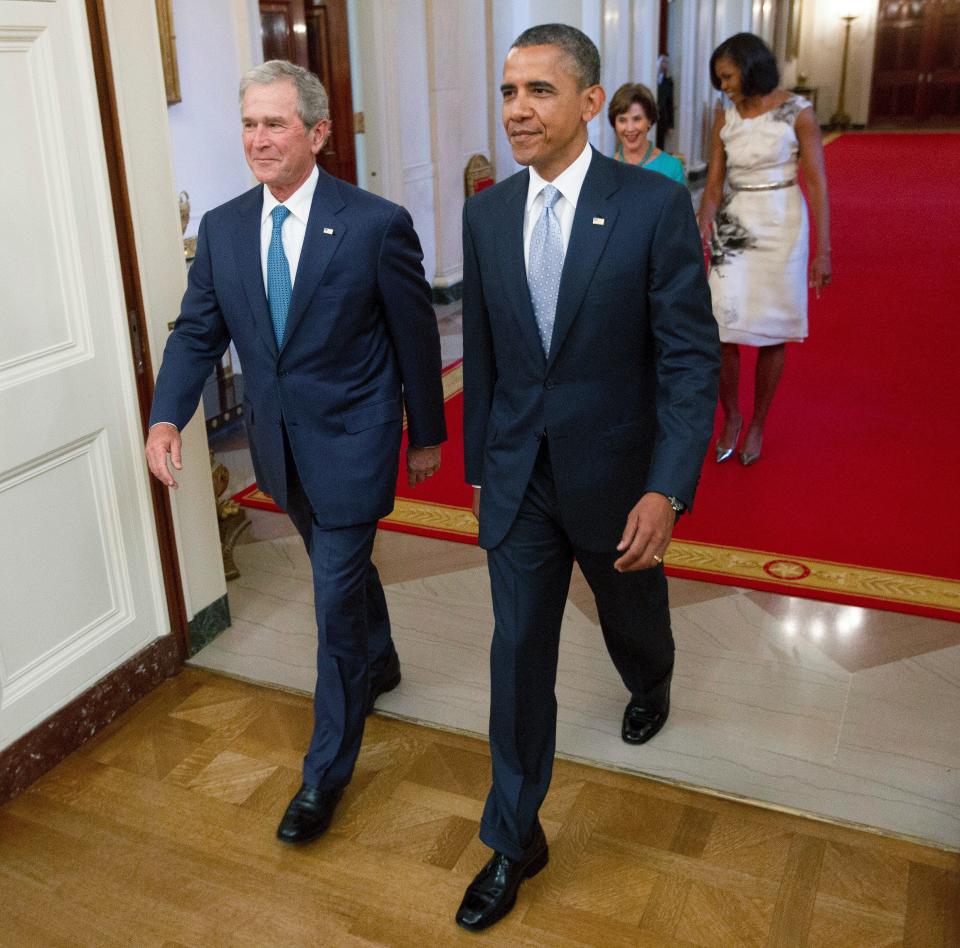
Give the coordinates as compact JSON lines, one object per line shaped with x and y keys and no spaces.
{"x":728,"y":239}
{"x":789,"y":110}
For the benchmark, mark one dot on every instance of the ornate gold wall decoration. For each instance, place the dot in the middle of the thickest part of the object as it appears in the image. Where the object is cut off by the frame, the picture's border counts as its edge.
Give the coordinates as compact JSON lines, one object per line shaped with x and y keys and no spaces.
{"x":168,"y":50}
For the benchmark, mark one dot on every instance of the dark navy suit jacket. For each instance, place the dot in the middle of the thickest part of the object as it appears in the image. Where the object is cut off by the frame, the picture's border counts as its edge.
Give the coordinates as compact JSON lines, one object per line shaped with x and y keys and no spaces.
{"x":627,"y":396}
{"x":360,"y":343}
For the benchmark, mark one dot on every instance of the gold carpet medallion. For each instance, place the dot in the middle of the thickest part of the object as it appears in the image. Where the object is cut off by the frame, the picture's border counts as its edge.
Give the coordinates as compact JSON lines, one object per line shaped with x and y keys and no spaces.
{"x":931,"y":592}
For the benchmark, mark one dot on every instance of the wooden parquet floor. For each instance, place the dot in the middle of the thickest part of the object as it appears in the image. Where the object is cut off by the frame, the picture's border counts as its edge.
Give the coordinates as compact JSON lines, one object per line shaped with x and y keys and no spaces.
{"x":159,"y":832}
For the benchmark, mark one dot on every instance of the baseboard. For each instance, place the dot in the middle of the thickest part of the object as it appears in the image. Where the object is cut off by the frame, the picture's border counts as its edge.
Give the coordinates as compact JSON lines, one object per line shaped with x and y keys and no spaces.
{"x":208,"y":623}
{"x":72,"y":726}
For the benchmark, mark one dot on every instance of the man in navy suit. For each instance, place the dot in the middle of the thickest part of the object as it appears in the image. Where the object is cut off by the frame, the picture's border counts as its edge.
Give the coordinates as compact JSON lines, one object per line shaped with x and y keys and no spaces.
{"x":590,"y":378}
{"x":320,"y":287}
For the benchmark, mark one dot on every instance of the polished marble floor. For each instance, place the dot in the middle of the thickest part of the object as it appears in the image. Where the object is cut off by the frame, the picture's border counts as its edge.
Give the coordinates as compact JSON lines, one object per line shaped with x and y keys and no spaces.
{"x":843,"y":712}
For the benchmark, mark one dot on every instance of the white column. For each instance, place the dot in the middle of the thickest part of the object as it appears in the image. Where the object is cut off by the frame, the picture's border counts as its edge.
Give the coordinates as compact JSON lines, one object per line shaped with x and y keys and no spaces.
{"x":458,"y":97}
{"x":398,"y":145}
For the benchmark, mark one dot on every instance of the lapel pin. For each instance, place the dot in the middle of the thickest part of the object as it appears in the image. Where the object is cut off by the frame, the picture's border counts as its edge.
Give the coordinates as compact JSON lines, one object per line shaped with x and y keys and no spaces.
{"x":328,"y":231}
{"x":599,"y":221}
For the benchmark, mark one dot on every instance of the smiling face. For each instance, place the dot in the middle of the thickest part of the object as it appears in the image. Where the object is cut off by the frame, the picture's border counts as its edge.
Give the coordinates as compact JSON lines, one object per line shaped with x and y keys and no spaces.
{"x":730,"y":79}
{"x":632,"y":127}
{"x":545,"y":115}
{"x":280,"y":151}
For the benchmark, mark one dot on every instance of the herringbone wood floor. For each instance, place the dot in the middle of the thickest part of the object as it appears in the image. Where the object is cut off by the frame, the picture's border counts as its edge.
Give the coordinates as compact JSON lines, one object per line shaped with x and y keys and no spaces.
{"x":160,"y":832}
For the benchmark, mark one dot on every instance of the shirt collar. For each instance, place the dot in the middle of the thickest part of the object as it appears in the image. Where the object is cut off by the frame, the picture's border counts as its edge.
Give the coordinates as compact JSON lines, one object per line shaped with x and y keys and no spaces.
{"x":568,"y":182}
{"x":298,"y":203}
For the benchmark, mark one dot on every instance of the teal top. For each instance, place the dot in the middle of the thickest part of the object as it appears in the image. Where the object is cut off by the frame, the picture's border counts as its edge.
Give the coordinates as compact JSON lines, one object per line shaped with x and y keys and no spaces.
{"x":668,"y":165}
{"x":664,"y":164}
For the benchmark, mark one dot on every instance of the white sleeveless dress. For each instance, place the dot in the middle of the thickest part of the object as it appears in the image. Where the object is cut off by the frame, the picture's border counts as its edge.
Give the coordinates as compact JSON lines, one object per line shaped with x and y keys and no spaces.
{"x":759,"y":248}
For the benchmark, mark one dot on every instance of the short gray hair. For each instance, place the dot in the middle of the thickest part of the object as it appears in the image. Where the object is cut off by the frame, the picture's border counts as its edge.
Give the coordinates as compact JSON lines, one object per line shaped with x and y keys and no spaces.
{"x":312,"y":104}
{"x":575,"y":45}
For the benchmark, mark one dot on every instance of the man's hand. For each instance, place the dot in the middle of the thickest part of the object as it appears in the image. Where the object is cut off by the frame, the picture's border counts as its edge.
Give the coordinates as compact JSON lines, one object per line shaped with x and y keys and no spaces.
{"x":475,"y":504}
{"x":647,"y":534}
{"x":422,"y":463}
{"x":163,"y":440}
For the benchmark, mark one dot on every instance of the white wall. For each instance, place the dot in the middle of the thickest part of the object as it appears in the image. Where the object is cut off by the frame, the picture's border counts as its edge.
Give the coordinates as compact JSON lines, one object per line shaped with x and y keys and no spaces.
{"x":821,"y":48}
{"x":694,"y":27}
{"x":510,"y":19}
{"x":356,"y":88}
{"x":459,"y":94}
{"x":153,"y":200}
{"x":393,"y":45}
{"x":213,"y":50}
{"x":629,"y":31}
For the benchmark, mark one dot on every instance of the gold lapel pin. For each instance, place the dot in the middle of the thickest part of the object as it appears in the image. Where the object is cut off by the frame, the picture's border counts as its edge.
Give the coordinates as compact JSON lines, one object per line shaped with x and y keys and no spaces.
{"x":328,"y":231}
{"x":599,"y":221}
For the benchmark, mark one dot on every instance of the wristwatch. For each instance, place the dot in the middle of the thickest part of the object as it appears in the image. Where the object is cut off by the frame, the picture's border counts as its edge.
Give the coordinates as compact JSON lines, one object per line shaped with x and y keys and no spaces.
{"x":678,"y":505}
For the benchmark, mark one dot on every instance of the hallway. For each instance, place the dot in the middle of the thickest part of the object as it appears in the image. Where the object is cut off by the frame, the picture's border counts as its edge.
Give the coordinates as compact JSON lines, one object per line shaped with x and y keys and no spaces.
{"x":845,"y":712}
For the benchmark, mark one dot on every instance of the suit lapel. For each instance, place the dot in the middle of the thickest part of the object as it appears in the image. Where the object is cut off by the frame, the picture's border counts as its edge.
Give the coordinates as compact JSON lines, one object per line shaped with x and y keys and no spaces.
{"x":324,"y":232}
{"x":587,"y":241}
{"x":512,"y":265}
{"x":246,"y":245}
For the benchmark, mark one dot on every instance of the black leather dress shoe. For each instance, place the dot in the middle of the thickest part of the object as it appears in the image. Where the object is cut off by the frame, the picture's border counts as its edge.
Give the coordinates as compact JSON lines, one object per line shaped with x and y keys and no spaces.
{"x":493,"y":892}
{"x":383,"y":680}
{"x":308,"y":814}
{"x":641,"y":721}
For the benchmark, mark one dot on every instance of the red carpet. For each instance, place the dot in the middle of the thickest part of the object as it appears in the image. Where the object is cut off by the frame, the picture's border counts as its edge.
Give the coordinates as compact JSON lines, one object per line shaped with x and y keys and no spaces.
{"x":852,"y":501}
{"x":440,"y":508}
{"x":863,"y":442}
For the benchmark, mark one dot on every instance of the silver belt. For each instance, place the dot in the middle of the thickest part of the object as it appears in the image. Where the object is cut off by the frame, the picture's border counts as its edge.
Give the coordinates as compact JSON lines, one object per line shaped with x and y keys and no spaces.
{"x":773,"y":186}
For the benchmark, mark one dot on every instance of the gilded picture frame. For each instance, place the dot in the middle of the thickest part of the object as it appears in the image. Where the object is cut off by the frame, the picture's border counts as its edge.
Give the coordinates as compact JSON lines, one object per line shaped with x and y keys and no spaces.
{"x":168,"y":50}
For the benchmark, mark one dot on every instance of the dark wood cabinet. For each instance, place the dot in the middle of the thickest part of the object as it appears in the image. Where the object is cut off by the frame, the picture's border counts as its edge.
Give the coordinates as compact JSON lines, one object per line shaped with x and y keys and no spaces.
{"x":916,"y":68}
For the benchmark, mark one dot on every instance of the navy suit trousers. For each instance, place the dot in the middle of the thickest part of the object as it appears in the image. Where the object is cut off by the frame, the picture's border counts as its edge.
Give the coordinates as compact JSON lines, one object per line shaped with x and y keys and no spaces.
{"x":530,"y":573}
{"x":353,"y":636}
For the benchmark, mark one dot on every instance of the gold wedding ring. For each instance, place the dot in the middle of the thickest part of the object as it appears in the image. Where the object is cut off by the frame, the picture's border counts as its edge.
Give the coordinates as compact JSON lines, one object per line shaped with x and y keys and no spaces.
{"x":657,"y":559}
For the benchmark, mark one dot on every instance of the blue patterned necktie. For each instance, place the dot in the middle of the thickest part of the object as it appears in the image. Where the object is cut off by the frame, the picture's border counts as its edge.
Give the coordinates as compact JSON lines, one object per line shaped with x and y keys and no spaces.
{"x":545,"y":266}
{"x":278,"y":275}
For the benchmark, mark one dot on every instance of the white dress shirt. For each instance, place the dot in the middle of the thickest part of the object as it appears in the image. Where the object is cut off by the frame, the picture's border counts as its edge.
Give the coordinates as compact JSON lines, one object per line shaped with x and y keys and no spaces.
{"x":292,"y":233}
{"x":568,"y":183}
{"x":294,"y":227}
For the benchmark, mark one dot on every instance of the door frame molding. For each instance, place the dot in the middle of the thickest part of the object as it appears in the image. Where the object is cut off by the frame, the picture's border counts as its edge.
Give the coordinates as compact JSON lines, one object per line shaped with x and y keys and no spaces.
{"x":133,"y":298}
{"x":68,"y":728}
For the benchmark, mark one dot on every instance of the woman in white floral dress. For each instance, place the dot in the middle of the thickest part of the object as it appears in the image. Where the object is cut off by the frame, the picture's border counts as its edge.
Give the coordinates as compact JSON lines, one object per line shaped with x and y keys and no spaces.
{"x":756,"y":228}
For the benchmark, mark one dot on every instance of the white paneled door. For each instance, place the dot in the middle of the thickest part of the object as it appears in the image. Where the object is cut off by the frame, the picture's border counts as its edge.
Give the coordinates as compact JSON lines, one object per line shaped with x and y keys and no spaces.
{"x":80,"y":580}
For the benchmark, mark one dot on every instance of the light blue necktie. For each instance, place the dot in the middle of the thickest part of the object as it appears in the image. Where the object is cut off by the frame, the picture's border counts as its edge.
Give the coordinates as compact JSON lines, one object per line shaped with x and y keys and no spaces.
{"x":545,"y":266}
{"x":278,"y":275}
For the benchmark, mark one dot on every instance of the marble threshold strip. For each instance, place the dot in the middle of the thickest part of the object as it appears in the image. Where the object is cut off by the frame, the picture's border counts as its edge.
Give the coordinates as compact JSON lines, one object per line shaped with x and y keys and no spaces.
{"x":879,"y":831}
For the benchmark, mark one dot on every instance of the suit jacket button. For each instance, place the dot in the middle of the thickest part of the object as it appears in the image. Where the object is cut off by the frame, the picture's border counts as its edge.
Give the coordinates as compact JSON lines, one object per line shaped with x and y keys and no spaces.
{"x":550,"y":384}
{"x":281,"y":372}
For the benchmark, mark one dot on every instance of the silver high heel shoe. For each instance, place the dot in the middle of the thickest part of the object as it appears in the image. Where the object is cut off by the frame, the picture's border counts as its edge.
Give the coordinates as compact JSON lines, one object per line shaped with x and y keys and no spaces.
{"x":751,"y":457}
{"x":724,"y":454}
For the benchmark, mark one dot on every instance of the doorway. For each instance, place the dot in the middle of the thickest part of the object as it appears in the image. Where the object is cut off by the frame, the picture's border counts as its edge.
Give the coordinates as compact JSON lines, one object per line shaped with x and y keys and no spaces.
{"x":313,"y":34}
{"x":916,"y":67}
